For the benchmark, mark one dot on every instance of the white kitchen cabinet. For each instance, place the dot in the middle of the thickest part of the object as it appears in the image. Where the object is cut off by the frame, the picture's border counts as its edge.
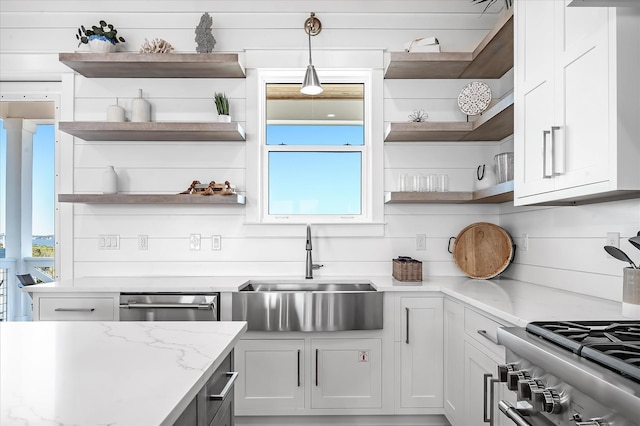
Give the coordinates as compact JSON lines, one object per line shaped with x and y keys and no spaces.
{"x":479,"y":369}
{"x":576,"y":108}
{"x":454,"y":362}
{"x":75,"y":307}
{"x":347,"y":373}
{"x":271,"y":375}
{"x":421,"y":354}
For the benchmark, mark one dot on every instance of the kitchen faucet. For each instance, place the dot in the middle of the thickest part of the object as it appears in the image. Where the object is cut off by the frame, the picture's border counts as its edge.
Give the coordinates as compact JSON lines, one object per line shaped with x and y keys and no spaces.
{"x":310,"y":267}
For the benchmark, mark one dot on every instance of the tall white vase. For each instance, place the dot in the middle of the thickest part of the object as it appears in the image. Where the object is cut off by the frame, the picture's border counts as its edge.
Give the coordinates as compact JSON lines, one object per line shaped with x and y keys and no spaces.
{"x":140,"y":109}
{"x":109,"y":181}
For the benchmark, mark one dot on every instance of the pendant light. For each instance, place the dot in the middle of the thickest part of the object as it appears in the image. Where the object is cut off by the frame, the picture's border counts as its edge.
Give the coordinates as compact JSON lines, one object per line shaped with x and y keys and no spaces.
{"x":311,"y":83}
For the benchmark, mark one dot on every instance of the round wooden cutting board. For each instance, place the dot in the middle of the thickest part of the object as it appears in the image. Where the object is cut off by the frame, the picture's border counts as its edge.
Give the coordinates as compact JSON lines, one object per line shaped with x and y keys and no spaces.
{"x":483,"y":250}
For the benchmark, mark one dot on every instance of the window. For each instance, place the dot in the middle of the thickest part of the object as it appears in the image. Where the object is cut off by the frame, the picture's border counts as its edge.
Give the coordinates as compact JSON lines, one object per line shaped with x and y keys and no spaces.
{"x":316,"y":151}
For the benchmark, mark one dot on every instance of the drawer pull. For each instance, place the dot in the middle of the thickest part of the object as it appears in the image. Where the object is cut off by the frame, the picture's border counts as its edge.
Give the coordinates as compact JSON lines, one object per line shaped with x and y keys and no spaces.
{"x":486,"y":335}
{"x":233,"y":375}
{"x":74,"y":309}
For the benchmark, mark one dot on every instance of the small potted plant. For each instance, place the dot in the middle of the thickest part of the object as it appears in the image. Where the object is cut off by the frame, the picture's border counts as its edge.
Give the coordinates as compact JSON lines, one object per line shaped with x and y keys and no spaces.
{"x":222,"y":105}
{"x":102,"y":38}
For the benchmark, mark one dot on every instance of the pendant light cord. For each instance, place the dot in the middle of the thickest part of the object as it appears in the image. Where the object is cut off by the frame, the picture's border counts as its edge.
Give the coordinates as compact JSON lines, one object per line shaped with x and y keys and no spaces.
{"x":309,"y":33}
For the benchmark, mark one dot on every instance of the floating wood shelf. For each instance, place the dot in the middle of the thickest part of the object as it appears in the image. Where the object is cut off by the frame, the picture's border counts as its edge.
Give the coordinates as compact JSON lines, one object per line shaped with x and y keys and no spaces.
{"x":493,"y":125}
{"x":500,"y":193}
{"x":154,"y":65}
{"x":150,"y":199}
{"x":491,"y":59}
{"x":110,"y":131}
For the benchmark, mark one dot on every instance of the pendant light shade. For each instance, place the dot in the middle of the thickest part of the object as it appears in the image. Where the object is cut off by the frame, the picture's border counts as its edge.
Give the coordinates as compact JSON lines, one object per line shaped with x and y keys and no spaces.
{"x":311,"y":83}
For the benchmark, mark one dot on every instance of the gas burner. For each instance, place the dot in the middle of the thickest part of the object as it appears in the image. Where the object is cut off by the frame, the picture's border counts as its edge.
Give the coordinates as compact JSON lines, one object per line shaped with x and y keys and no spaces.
{"x":612,"y":344}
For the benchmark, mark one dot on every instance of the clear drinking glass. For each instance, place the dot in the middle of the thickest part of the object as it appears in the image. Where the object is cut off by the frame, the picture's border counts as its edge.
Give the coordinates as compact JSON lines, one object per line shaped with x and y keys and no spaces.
{"x":403,"y":182}
{"x":443,"y":183}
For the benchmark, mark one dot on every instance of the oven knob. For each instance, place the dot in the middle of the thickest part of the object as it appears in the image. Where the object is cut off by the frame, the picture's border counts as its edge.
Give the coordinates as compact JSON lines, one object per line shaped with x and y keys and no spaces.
{"x":526,"y":387}
{"x":514,"y":376}
{"x":546,"y":400}
{"x":593,"y":422}
{"x":503,"y":369}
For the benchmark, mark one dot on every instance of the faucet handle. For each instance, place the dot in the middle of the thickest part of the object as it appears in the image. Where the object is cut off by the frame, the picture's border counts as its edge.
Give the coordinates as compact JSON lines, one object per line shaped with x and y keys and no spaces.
{"x":316,"y":266}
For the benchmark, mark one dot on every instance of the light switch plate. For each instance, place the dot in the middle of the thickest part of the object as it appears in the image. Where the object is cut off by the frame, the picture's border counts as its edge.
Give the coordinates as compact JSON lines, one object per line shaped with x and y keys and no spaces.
{"x":216,"y":242}
{"x":194,"y":242}
{"x":613,"y":239}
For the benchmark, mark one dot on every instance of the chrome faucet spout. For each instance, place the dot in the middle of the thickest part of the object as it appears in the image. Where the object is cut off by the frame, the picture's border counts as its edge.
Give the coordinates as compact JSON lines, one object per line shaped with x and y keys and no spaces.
{"x":310,"y":266}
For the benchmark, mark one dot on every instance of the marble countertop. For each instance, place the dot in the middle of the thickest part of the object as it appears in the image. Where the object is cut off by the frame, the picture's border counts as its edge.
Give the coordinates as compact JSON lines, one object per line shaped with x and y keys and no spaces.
{"x":515,"y":302}
{"x":99,"y":373}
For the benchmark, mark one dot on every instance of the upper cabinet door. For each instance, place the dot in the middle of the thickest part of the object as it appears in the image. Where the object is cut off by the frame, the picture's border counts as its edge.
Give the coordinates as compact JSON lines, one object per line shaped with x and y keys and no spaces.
{"x":576,"y":112}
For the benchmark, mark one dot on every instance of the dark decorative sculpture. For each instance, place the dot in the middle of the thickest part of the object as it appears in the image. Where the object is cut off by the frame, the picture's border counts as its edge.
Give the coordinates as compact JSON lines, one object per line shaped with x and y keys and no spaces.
{"x":205,"y":40}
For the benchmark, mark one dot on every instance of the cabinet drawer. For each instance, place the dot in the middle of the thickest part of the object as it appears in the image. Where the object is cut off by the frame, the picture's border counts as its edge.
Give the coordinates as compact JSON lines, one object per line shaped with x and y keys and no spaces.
{"x":76,"y":309}
{"x":483,"y":330}
{"x":214,"y":386}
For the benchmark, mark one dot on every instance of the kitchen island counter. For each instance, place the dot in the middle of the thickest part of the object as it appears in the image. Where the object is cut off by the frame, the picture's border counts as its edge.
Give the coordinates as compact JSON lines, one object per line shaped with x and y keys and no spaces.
{"x":98,"y":373}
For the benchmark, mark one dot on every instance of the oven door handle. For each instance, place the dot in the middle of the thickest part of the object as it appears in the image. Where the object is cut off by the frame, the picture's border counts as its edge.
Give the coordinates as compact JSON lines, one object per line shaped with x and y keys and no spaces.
{"x":203,"y":306}
{"x":512,"y":413}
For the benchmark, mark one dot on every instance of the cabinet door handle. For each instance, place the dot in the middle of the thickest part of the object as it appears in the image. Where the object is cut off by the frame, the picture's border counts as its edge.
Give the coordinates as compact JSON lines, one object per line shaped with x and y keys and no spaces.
{"x":407,"y":337}
{"x":299,"y":368}
{"x":317,"y":366}
{"x":488,"y":398}
{"x":547,"y":156}
{"x":486,"y":335}
{"x":233,"y":375}
{"x":74,"y":309}
{"x":557,"y":151}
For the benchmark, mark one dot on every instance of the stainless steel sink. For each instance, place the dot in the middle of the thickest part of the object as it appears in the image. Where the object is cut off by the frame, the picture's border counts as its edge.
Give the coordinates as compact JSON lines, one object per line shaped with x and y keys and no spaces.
{"x":308,"y":306}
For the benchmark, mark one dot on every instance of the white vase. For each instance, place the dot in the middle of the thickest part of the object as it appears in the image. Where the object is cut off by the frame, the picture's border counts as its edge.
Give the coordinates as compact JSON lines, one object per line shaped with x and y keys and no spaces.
{"x":109,"y":181}
{"x":140,"y":109}
{"x":97,"y":45}
{"x":115,"y":113}
{"x":222,"y":118}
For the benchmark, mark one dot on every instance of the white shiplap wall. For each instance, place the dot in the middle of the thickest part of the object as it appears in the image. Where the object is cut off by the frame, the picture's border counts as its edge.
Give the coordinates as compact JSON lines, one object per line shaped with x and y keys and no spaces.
{"x":262,"y":26}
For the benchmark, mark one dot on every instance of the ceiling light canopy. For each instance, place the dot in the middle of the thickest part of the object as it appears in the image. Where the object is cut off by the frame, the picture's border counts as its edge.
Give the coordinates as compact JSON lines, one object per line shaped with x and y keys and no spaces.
{"x":311,"y":83}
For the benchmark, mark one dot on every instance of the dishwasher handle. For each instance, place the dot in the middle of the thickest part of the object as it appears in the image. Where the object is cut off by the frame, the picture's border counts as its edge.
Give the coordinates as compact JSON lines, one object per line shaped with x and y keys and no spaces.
{"x":202,"y":306}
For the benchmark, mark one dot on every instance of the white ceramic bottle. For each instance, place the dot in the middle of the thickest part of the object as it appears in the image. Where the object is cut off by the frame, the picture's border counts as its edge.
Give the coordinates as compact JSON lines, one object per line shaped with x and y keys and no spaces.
{"x":109,"y":181}
{"x":115,"y":113}
{"x":140,"y":109}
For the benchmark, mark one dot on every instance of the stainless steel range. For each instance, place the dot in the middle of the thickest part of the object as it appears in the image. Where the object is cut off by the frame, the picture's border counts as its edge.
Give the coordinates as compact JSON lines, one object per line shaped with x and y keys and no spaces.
{"x":573,"y":373}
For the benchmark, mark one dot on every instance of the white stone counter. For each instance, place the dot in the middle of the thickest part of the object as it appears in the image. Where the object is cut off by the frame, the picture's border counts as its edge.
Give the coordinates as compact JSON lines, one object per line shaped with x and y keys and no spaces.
{"x":514,"y":301}
{"x":99,"y":373}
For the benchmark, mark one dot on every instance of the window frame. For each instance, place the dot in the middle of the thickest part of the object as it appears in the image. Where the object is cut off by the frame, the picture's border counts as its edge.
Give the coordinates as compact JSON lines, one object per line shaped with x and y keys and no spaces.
{"x":362,"y":76}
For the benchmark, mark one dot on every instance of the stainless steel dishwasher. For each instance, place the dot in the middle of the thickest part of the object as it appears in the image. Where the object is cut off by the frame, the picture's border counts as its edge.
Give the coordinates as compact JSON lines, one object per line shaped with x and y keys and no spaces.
{"x":178,"y":306}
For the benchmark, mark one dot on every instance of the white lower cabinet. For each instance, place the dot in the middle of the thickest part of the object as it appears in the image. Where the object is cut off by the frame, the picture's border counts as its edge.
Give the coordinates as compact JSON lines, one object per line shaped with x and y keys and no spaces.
{"x":75,"y":307}
{"x":421,"y":355}
{"x":271,"y":375}
{"x":476,"y":365}
{"x":336,"y":373}
{"x":347,"y":373}
{"x":454,"y":361}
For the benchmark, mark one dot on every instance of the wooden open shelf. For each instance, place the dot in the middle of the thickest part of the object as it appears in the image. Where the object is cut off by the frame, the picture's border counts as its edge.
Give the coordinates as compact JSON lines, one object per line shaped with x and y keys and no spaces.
{"x":499,"y":193}
{"x":153,"y":131}
{"x":494,"y":124}
{"x":150,"y":199}
{"x":491,"y":59}
{"x":154,"y":65}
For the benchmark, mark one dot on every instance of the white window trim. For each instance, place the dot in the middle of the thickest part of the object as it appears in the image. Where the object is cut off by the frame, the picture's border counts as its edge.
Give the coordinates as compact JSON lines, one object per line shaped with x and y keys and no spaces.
{"x":371,"y":160}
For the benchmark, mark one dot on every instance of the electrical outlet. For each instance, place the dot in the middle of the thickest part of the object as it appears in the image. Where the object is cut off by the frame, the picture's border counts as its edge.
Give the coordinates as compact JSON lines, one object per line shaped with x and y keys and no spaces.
{"x":216,"y":242}
{"x":109,"y":242}
{"x":613,"y":239}
{"x":421,"y":242}
{"x":194,"y":242}
{"x":143,"y":242}
{"x":525,"y":242}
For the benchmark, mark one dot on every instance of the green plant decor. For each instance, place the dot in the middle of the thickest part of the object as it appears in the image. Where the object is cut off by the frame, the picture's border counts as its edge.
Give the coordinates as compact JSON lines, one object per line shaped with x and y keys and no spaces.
{"x":222,"y":103}
{"x":104,"y":32}
{"x":507,"y":3}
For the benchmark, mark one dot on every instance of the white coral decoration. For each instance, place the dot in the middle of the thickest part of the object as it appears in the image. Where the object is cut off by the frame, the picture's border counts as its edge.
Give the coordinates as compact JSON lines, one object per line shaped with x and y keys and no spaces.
{"x":157,"y":45}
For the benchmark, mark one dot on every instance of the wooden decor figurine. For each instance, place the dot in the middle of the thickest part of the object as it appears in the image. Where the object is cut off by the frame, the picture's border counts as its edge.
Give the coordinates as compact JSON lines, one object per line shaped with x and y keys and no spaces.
{"x":213,"y":188}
